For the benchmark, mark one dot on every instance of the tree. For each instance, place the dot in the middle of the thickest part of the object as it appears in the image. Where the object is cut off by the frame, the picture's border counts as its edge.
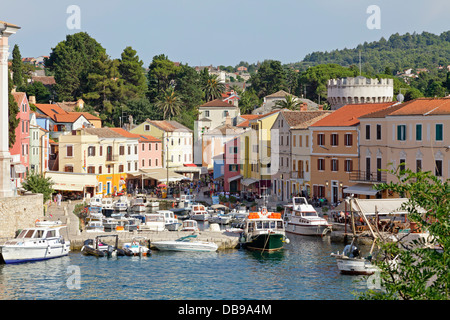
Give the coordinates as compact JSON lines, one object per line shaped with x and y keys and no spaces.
{"x":421,"y":273}
{"x":37,"y":89}
{"x":37,"y":183}
{"x":169,"y":104}
{"x":248,"y":101}
{"x":17,"y":66}
{"x":213,"y":88}
{"x":269,"y":79}
{"x":13,"y":110}
{"x":132,"y":73}
{"x":161,"y":73}
{"x":290,"y":102}
{"x":71,"y":62}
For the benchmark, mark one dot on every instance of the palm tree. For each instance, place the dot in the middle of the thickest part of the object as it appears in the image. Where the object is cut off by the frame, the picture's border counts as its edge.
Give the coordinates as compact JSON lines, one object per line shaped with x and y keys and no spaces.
{"x":212,"y":88}
{"x":169,"y":104}
{"x":290,"y":102}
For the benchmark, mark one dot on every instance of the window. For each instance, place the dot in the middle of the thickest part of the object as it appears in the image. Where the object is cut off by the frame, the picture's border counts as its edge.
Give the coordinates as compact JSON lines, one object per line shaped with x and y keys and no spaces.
{"x":121,"y":168}
{"x":367,"y":131}
{"x":206,"y":113}
{"x":143,"y":147}
{"x":100,"y":151}
{"x":129,"y":150}
{"x":418,"y":165}
{"x":348,"y":164}
{"x":334,"y":139}
{"x":69,"y":152}
{"x":334,"y":165}
{"x":68,"y":168}
{"x":233,"y":167}
{"x":121,"y":150}
{"x":321,"y":139}
{"x":135,"y":149}
{"x":402,"y":165}
{"x":149,"y":162}
{"x":156,"y":162}
{"x":91,"y":169}
{"x":401,"y":132}
{"x":147,"y":127}
{"x":418,"y":132}
{"x":91,"y":151}
{"x":439,"y":132}
{"x":378,"y":131}
{"x":348,"y":139}
{"x":294,"y":141}
{"x":321,"y":164}
{"x":100,"y":169}
{"x":438,"y":168}
{"x":109,"y":155}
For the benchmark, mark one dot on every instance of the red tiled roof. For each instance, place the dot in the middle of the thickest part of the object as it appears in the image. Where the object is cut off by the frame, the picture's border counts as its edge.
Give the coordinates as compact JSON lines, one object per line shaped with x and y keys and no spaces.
{"x":58,"y":114}
{"x":218,"y":103}
{"x":424,"y":106}
{"x":348,"y":115}
{"x":142,"y":137}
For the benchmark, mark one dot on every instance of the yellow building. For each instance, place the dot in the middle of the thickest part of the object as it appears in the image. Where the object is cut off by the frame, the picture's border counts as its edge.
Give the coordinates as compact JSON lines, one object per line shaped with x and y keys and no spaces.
{"x":255,"y":153}
{"x":96,"y":151}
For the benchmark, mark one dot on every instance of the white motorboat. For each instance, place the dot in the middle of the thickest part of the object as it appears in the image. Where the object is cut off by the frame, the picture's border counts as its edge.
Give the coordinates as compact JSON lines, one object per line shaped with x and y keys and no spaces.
{"x":199,"y":212}
{"x":185,"y":200}
{"x":48,"y":223}
{"x":96,"y":201}
{"x":170,"y":219}
{"x":139,"y":203}
{"x":301,"y":218}
{"x":122,"y":204}
{"x":95,"y":226}
{"x":153,"y":204}
{"x":185,"y":244}
{"x":221,"y":218}
{"x":107,"y":206}
{"x":136,"y":248}
{"x":33,"y":244}
{"x":189,"y":225}
{"x":351,"y":262}
{"x":153,"y":222}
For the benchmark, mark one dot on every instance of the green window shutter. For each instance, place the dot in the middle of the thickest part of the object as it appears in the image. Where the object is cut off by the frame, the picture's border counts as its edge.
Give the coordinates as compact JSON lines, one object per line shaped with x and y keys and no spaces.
{"x":418,"y":132}
{"x":439,"y":132}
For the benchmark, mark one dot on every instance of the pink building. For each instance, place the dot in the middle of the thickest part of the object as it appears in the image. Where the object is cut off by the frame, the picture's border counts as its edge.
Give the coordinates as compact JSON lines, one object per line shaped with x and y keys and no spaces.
{"x":149,"y":149}
{"x":232,"y":167}
{"x":21,"y":148}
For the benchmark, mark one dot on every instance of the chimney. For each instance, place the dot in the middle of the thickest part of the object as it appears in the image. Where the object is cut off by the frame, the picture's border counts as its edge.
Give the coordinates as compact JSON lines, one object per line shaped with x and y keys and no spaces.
{"x":303,"y":107}
{"x":320,"y":107}
{"x":228,"y":120}
{"x":32,"y":99}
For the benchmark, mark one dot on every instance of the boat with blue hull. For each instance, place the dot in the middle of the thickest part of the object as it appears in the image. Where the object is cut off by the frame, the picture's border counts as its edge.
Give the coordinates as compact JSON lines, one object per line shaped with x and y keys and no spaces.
{"x":35,"y":244}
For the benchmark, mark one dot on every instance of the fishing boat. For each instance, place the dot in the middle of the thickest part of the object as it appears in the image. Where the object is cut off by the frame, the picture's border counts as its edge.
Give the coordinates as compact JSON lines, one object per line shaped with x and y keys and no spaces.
{"x":153,"y":222}
{"x":263,"y":231}
{"x":122,"y":204}
{"x":199,"y":212}
{"x":136,"y":248}
{"x":189,"y":225}
{"x":187,"y":243}
{"x":139,"y":203}
{"x":170,"y":220}
{"x":99,"y":248}
{"x":351,"y":262}
{"x":33,"y":244}
{"x":301,"y":218}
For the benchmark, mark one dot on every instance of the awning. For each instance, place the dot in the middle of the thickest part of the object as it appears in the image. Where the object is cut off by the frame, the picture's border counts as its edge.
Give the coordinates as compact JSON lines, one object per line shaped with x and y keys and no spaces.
{"x":248,"y":181}
{"x":239,"y":176}
{"x":191,"y":169}
{"x":70,"y":181}
{"x":160,"y":175}
{"x":361,"y":188}
{"x":20,"y":168}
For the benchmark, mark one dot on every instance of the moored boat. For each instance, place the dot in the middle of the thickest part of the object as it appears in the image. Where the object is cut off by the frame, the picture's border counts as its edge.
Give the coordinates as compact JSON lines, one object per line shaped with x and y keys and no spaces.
{"x":170,"y":220}
{"x":33,"y":244}
{"x":263,"y":231}
{"x":185,"y":244}
{"x":301,"y":218}
{"x":153,"y":222}
{"x":189,"y":225}
{"x":199,"y":212}
{"x":101,"y":249}
{"x":136,"y":248}
{"x":351,"y":262}
{"x":122,"y":204}
{"x":139,"y":203}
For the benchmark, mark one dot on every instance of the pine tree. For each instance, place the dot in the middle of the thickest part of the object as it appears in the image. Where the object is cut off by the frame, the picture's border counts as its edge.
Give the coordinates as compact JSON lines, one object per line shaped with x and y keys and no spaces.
{"x":17,"y":67}
{"x":130,"y":69}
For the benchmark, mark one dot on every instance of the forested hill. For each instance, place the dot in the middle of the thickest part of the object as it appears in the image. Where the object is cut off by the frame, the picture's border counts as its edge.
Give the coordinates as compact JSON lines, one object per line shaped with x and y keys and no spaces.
{"x":399,"y":52}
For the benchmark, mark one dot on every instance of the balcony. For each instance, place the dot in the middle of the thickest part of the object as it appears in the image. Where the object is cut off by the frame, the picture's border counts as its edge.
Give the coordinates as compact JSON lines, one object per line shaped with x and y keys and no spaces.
{"x":112,"y":157}
{"x":367,"y":176}
{"x":298,"y":174}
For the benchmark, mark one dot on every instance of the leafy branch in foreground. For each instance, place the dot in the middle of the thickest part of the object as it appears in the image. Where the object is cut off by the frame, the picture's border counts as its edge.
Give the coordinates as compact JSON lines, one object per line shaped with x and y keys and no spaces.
{"x":421,"y":268}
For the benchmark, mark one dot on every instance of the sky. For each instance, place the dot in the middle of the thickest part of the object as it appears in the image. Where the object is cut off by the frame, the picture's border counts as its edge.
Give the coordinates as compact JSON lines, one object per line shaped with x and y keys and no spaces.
{"x":213,"y":32}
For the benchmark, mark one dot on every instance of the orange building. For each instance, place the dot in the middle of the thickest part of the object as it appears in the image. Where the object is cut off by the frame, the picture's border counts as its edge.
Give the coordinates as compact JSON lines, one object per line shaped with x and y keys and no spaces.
{"x":335,"y":150}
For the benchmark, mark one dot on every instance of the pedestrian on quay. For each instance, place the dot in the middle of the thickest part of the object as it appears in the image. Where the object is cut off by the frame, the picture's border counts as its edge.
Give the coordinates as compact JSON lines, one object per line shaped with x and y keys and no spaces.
{"x":58,"y":199}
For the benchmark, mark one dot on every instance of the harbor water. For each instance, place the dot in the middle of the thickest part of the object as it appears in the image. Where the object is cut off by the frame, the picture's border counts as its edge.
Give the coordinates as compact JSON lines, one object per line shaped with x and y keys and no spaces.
{"x":303,"y":270}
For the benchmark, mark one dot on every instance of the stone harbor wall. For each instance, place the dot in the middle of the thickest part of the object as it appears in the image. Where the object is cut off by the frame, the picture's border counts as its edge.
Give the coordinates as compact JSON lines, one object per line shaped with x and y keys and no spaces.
{"x":19,"y":212}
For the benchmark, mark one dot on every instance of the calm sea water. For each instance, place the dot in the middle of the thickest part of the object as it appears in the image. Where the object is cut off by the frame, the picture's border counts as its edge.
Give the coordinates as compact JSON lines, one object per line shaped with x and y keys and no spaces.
{"x":304,"y":270}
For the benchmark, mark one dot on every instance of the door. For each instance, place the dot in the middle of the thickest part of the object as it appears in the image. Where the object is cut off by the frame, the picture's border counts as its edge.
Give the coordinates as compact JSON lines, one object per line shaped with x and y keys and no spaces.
{"x":334,"y":191}
{"x":108,"y":187}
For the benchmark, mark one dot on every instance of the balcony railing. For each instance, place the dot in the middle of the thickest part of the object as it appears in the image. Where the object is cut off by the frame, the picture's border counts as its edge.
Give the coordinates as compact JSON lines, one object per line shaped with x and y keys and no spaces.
{"x":367,"y":176}
{"x":298,"y":174}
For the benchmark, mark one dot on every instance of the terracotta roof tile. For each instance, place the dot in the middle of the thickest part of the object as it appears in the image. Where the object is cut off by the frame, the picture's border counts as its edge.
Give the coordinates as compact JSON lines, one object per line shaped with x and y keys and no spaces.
{"x":141,"y":137}
{"x":168,"y":126}
{"x":424,"y":106}
{"x":348,"y":115}
{"x":218,"y":103}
